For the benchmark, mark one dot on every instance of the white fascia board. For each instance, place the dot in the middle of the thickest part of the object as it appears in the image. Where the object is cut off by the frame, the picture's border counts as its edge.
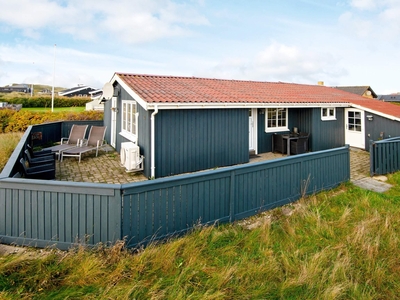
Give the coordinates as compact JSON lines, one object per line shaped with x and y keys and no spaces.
{"x":135,"y":96}
{"x":74,"y":90}
{"x":376,"y":112}
{"x":241,"y":105}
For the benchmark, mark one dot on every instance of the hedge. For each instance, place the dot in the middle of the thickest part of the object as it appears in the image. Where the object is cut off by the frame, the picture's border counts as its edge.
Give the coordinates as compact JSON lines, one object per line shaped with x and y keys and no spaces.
{"x":13,"y":121}
{"x":45,"y":101}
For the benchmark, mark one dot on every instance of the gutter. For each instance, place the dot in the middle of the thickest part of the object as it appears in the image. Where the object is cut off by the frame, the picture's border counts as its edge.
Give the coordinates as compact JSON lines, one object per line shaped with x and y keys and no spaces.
{"x":152,"y":141}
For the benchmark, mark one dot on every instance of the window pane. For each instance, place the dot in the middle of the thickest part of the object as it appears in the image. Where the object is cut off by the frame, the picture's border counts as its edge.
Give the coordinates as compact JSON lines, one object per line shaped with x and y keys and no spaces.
{"x":281,"y":118}
{"x":124,"y":116}
{"x":272,"y":117}
{"x":276,"y":117}
{"x":324,"y":112}
{"x":129,"y":118}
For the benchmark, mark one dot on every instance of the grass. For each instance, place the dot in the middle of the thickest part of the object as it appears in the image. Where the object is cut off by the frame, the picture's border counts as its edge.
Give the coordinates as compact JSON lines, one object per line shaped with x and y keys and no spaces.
{"x":8,"y":142}
{"x":339,"y":244}
{"x":56,"y":109}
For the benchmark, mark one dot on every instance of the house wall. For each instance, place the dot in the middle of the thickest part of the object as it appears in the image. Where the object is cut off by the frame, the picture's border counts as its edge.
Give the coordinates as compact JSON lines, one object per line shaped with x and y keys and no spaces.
{"x":379,"y":128}
{"x":143,"y":127}
{"x":198,"y":139}
{"x":323,"y":134}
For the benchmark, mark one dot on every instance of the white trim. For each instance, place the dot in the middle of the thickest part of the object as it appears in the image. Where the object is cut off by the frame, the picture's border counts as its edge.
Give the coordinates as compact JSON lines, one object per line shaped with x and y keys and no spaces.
{"x":376,"y":112}
{"x":328,"y":117}
{"x":131,"y":92}
{"x":241,"y":105}
{"x":129,"y":134}
{"x":153,"y":141}
{"x":254,"y":115}
{"x":277,"y":128}
{"x":130,"y":137}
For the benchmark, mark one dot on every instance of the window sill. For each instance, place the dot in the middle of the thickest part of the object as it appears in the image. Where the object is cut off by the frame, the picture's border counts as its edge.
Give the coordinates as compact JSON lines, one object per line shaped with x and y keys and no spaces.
{"x":129,"y":136}
{"x":328,"y":119}
{"x":276,"y":129}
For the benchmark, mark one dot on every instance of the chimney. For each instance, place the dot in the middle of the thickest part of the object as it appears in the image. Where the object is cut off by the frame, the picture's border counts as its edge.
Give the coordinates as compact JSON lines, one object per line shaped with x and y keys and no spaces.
{"x":320,"y":83}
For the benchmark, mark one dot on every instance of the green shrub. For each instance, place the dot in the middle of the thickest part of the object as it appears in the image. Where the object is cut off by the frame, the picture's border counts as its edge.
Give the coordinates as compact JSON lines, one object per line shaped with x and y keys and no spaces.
{"x":13,"y":121}
{"x":45,"y":101}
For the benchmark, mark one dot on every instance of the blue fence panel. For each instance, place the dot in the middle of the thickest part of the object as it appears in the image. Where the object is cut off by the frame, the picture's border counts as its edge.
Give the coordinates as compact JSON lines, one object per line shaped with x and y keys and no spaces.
{"x":163,"y":207}
{"x":42,"y":213}
{"x":384,"y":156}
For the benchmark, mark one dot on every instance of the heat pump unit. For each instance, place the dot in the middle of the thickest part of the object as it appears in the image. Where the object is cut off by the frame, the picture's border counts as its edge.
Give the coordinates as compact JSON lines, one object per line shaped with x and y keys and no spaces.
{"x":130,"y":156}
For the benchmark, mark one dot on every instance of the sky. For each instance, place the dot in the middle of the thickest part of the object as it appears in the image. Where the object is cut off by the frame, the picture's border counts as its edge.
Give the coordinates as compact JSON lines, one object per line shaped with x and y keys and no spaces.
{"x":71,"y":42}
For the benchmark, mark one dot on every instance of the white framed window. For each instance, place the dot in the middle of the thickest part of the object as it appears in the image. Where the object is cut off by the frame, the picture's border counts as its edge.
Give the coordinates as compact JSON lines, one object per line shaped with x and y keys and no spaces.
{"x":129,"y":117}
{"x":328,"y":113}
{"x":276,"y":119}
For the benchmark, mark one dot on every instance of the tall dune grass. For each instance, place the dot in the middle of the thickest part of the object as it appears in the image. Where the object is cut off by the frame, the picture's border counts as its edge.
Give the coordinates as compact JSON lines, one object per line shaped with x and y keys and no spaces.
{"x":340,"y":244}
{"x":8,"y":142}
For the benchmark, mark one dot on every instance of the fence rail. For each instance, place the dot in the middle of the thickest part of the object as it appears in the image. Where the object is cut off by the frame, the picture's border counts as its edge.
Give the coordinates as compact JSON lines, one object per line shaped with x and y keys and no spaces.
{"x":57,"y":213}
{"x":384,"y":156}
{"x":157,"y":209}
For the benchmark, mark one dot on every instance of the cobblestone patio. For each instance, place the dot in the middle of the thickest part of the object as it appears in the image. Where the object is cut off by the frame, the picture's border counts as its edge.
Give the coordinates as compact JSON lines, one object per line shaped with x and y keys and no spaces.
{"x":106,"y":167}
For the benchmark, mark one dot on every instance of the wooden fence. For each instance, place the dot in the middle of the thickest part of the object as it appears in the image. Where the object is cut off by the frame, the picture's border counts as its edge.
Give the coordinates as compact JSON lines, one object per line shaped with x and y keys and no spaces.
{"x":61,"y":214}
{"x":159,"y":208}
{"x":384,"y":156}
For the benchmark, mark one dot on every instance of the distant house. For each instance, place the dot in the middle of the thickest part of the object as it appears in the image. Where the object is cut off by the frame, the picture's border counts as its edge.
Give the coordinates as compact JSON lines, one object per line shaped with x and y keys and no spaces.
{"x":20,"y":88}
{"x":45,"y":92}
{"x":365,"y":91}
{"x":78,"y":91}
{"x":390,"y":98}
{"x":97,"y":100}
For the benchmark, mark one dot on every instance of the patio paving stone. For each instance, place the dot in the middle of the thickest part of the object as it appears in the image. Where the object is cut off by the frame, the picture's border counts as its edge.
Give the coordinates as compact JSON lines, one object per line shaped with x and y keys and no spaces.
{"x":106,"y":168}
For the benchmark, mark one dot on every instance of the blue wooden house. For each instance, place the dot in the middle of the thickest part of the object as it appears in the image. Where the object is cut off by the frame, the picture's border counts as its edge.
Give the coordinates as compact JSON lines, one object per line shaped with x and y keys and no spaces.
{"x":187,"y":124}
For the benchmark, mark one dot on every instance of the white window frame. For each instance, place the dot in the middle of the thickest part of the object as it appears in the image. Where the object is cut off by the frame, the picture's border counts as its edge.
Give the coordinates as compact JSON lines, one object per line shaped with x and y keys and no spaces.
{"x":276,"y":127}
{"x":328,"y":113}
{"x":129,"y":120}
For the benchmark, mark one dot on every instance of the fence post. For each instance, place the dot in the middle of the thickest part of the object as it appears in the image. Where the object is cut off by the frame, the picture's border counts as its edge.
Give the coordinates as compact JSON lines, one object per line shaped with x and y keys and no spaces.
{"x":232,"y":198}
{"x":371,"y":158}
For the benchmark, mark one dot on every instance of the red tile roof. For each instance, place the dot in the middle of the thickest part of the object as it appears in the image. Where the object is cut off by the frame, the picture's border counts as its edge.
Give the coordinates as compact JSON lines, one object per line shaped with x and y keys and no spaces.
{"x":155,"y":89}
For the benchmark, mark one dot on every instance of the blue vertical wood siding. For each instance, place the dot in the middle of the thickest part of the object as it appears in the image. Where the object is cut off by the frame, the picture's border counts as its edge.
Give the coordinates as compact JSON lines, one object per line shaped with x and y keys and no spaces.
{"x":144,"y":134}
{"x":379,"y":128}
{"x":192,"y":140}
{"x":323,"y":134}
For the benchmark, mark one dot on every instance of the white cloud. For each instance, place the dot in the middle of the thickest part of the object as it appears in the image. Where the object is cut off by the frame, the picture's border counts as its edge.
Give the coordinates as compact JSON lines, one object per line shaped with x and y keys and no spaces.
{"x":365,"y":4}
{"x":374,"y":19}
{"x":354,"y":24}
{"x":280,"y":62}
{"x":131,"y":21}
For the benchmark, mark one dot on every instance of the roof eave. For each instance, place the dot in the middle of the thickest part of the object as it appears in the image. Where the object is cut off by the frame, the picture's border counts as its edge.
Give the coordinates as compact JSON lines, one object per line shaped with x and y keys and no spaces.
{"x":390,"y":117}
{"x":162,"y":105}
{"x":130,"y":91}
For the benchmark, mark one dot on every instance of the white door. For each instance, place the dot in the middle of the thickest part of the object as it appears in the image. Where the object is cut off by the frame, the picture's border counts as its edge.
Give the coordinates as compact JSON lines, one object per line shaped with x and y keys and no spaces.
{"x":113,"y":121}
{"x":253,"y":129}
{"x":354,"y":128}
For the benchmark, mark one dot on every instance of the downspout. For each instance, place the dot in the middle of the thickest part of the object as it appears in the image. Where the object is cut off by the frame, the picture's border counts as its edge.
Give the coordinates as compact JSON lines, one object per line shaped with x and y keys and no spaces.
{"x":153,"y":139}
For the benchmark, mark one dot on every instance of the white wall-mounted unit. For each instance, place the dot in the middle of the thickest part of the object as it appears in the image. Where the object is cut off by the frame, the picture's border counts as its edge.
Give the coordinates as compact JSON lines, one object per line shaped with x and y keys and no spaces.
{"x":130,"y":157}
